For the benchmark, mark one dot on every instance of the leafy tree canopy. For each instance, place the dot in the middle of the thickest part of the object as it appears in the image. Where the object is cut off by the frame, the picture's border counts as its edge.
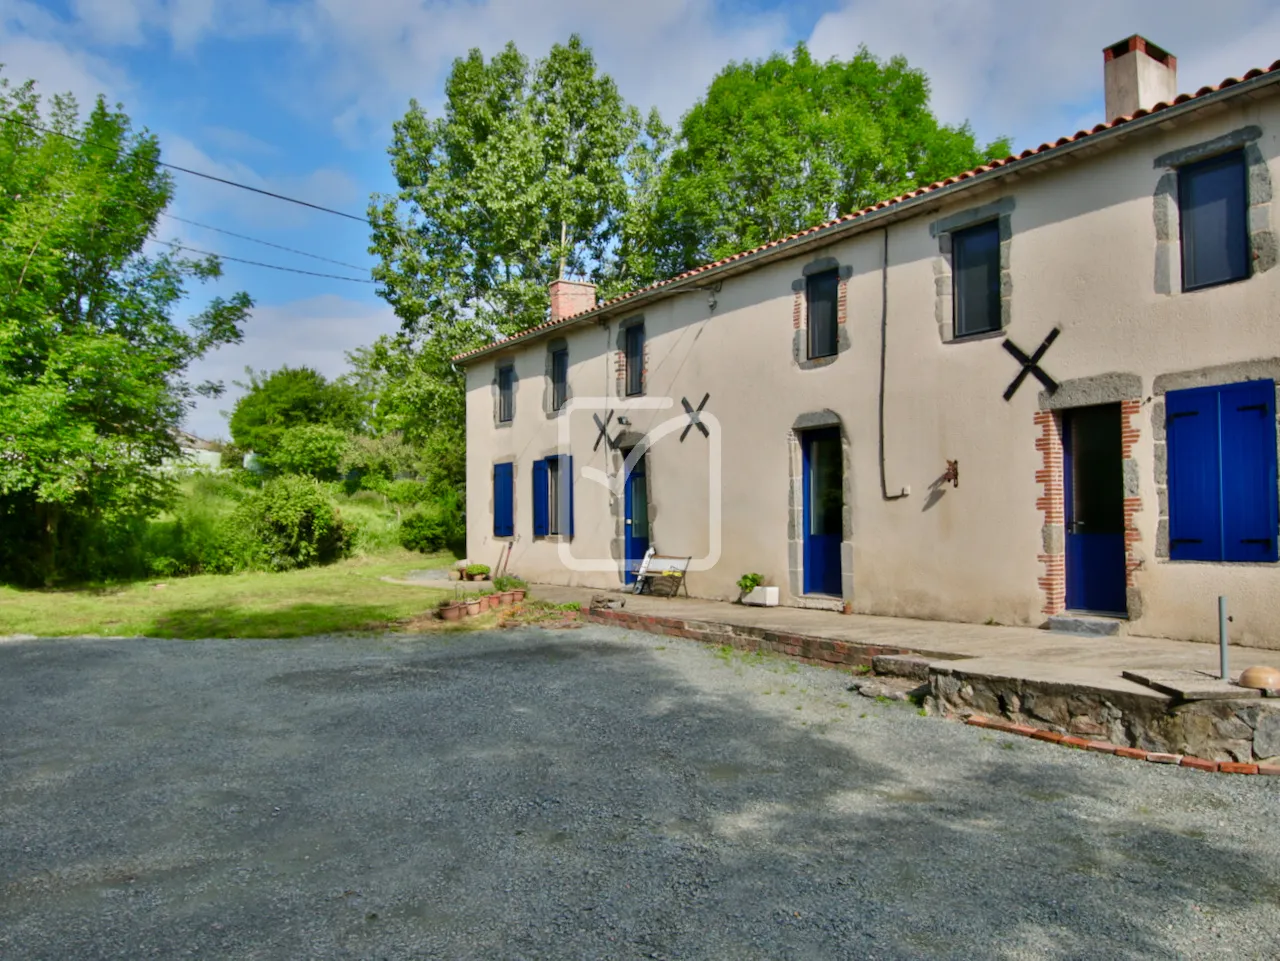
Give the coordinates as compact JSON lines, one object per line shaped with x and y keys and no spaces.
{"x":291,"y":397}
{"x":523,"y":179}
{"x":781,"y":144}
{"x":92,"y":362}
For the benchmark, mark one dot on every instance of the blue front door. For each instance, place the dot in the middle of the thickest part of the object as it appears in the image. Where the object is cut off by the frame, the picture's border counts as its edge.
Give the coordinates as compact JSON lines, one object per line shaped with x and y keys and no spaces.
{"x":1093,"y":476}
{"x":637,"y":519}
{"x":823,"y":511}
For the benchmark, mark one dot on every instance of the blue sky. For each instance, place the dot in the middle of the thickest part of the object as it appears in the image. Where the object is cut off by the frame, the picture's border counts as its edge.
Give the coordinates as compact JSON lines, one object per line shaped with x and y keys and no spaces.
{"x":298,"y":96}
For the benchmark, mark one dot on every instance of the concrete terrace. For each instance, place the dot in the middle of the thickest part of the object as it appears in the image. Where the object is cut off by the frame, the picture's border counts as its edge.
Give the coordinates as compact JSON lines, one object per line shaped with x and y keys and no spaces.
{"x":1015,"y":652}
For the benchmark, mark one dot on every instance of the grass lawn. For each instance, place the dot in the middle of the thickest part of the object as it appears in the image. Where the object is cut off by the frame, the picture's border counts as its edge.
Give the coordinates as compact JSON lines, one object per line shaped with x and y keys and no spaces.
{"x":347,"y":596}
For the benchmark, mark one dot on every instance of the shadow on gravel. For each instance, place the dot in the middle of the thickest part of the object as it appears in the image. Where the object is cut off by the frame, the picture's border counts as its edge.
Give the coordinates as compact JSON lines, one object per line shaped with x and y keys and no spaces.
{"x":296,"y":620}
{"x":514,"y":796}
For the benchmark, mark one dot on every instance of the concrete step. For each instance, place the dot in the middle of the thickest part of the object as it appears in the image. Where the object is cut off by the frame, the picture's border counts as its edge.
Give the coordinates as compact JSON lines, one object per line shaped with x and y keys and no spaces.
{"x":1088,"y":625}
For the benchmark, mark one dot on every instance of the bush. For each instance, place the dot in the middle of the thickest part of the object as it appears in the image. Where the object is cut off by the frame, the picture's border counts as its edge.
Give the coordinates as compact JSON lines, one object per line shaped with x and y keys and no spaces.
{"x":474,"y":569}
{"x":435,"y":526}
{"x":295,"y":524}
{"x":378,"y":458}
{"x":312,"y":450}
{"x":509,"y":582}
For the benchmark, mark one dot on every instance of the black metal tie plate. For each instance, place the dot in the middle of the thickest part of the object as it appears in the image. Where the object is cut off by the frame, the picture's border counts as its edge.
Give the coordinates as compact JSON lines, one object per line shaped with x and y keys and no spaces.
{"x":1031,"y":365}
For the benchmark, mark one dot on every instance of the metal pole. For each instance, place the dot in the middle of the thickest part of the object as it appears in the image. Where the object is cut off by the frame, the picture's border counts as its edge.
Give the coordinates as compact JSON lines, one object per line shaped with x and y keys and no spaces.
{"x":1222,"y":636}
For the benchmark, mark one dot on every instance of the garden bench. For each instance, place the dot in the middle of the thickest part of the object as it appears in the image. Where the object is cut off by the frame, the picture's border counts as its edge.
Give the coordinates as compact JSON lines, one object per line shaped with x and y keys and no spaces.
{"x":664,"y":574}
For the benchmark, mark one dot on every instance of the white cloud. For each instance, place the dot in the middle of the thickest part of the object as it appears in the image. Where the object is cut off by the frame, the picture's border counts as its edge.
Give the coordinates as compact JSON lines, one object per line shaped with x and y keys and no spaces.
{"x":29,"y":50}
{"x":315,"y":332}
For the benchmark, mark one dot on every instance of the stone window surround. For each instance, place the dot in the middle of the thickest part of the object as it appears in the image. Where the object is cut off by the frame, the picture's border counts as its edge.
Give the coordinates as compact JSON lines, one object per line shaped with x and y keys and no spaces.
{"x":795,"y":513}
{"x":548,"y":386}
{"x":547,"y":538}
{"x":1112,"y":388}
{"x":498,"y":422}
{"x":625,"y":441}
{"x":1268,"y":369}
{"x":800,"y":313}
{"x":620,"y":365}
{"x":1001,"y":211}
{"x":1165,"y":211}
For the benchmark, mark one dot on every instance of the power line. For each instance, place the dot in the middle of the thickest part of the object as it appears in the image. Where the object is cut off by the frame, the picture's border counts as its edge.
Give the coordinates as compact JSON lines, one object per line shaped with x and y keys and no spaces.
{"x":194,"y":173}
{"x":256,"y":263}
{"x":266,"y":243}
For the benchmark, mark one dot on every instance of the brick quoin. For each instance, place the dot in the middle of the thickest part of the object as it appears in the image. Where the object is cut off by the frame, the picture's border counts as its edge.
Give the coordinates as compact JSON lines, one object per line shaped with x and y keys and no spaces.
{"x":842,"y":301}
{"x":1129,"y":435}
{"x":1053,"y":579}
{"x":797,"y":311}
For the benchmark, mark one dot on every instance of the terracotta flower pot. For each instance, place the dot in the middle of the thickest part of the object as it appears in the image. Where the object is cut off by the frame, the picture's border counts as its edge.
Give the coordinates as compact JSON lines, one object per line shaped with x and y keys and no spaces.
{"x":477,"y":577}
{"x":495,"y":601}
{"x":452,"y":612}
{"x":508,"y":597}
{"x":474,"y":607}
{"x":518,"y":595}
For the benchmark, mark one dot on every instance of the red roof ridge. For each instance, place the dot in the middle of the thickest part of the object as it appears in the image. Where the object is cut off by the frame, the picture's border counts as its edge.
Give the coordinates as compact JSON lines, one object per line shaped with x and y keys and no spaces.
{"x":881,"y":205}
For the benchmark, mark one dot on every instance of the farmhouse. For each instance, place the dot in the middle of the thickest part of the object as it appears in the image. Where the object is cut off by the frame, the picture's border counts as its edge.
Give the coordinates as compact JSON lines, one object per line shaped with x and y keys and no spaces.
{"x":1047,"y":385}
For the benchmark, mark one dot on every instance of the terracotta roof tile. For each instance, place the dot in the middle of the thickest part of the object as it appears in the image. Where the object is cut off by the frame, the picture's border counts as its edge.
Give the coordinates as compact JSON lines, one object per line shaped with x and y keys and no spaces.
{"x":938,"y":185}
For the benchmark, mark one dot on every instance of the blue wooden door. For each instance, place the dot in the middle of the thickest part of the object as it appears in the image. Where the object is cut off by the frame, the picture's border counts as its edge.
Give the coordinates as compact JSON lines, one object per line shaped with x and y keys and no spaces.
{"x":1093,"y":476}
{"x":823,"y":511}
{"x":637,"y":520}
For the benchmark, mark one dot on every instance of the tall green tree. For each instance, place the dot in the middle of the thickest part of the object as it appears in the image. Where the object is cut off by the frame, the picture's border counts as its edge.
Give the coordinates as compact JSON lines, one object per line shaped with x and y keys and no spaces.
{"x":780,"y":144}
{"x":523,"y":179}
{"x":92,"y":362}
{"x":290,"y":397}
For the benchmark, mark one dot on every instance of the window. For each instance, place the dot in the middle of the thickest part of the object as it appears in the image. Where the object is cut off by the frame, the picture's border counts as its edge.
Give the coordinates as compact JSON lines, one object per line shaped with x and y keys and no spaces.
{"x":975,"y":279}
{"x":1222,"y":472}
{"x":635,"y":359}
{"x":559,"y":378}
{"x":504,"y":522}
{"x":553,"y":496}
{"x":1214,"y":220}
{"x":823,"y":293}
{"x":506,"y":399}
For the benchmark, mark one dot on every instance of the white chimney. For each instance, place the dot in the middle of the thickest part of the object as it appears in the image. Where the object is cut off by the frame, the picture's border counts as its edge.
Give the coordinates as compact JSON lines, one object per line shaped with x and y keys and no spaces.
{"x":1137,"y":75}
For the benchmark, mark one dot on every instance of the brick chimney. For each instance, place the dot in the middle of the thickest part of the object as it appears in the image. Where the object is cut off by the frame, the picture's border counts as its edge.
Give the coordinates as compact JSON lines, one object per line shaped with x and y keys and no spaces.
{"x":1137,"y":75}
{"x":569,"y":297}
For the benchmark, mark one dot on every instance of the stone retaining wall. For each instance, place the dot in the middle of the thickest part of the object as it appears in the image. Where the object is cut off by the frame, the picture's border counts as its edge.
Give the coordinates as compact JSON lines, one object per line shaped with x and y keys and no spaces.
{"x":1236,"y":729}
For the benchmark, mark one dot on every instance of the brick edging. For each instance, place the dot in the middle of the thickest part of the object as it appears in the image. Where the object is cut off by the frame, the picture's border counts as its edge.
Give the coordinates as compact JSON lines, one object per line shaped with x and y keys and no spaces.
{"x":1134,"y":753}
{"x":818,"y":651}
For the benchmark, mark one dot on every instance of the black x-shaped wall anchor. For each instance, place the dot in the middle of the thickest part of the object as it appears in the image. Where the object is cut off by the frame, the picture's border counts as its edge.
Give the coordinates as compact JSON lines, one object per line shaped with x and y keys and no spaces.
{"x":694,"y":419}
{"x":604,"y":430}
{"x":1031,"y":365}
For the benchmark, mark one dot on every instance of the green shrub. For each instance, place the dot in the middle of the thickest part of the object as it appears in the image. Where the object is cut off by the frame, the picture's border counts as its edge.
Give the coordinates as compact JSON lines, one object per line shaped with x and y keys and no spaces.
{"x":295,"y":524}
{"x":509,"y":582}
{"x":426,"y":530}
{"x":749,"y":582}
{"x":312,"y":450}
{"x":406,"y":492}
{"x":378,"y":458}
{"x":474,"y":569}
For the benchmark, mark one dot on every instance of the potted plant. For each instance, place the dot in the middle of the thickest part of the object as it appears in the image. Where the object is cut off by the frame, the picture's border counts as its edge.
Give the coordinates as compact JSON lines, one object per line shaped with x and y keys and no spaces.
{"x":477,"y":572}
{"x":512,"y":588}
{"x":475,"y":605}
{"x":755,"y":593}
{"x":451,"y":610}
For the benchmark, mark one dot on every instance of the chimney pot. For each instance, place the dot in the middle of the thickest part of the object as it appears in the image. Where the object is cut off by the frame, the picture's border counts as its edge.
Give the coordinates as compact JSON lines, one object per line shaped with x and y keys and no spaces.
{"x":570,"y":297}
{"x":1137,"y":75}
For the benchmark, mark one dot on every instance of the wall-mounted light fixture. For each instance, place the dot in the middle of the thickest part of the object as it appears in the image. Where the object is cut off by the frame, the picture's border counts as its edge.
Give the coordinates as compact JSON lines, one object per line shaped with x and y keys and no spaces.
{"x":624,"y":421}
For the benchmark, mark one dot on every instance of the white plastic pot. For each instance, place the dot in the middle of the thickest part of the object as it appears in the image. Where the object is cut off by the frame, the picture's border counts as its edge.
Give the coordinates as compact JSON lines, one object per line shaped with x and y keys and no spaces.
{"x":762,"y":597}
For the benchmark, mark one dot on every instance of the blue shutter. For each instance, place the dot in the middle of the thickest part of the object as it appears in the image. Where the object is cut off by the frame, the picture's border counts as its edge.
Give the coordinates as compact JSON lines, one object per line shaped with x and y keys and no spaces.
{"x":540,"y":488}
{"x":504,"y":524}
{"x":1248,"y":444}
{"x":1195,"y":490}
{"x":566,"y":486}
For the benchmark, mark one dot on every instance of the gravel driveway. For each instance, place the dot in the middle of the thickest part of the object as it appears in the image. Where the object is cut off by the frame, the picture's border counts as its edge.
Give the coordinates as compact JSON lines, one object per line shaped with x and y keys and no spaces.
{"x":581,"y":794}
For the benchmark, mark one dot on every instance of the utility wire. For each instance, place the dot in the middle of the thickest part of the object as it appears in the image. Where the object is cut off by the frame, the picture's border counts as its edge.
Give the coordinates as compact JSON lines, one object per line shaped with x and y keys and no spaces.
{"x":267,"y":243}
{"x":194,"y":173}
{"x":256,"y":263}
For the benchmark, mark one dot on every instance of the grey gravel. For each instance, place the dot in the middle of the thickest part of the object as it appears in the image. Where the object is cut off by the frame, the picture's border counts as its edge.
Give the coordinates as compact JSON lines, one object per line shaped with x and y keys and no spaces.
{"x":581,"y":794}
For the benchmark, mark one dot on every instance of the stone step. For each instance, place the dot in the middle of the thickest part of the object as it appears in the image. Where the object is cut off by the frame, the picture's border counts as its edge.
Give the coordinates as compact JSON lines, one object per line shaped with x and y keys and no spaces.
{"x":1085,"y":624}
{"x":901,"y":665}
